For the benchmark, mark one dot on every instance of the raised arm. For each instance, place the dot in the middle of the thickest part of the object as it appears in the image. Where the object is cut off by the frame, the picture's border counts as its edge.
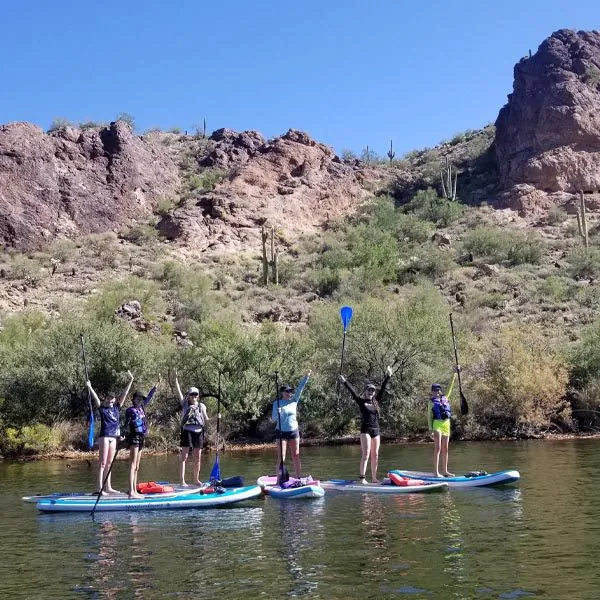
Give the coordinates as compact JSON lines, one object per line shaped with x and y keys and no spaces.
{"x":126,"y":390}
{"x":178,"y":388}
{"x":349,"y":388}
{"x":152,"y":391}
{"x":301,"y":384}
{"x":386,"y":379}
{"x":93,"y":393}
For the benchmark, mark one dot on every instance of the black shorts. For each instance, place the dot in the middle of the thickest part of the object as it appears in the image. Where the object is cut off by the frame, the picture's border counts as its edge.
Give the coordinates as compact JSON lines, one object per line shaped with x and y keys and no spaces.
{"x":191,"y":439}
{"x":372,"y":431}
{"x":135,"y":440}
{"x":287,"y":435}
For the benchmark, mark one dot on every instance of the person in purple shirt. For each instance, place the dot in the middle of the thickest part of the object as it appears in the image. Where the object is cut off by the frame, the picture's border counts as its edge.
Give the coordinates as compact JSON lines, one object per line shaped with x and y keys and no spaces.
{"x":136,"y":429}
{"x":110,"y":416}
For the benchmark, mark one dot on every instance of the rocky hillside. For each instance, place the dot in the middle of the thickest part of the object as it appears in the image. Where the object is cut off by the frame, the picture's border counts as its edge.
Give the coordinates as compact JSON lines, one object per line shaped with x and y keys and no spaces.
{"x":548,"y":134}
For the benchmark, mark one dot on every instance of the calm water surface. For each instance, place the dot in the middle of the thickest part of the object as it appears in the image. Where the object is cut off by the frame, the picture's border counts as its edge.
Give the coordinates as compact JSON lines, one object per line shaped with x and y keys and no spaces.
{"x":539,"y":539}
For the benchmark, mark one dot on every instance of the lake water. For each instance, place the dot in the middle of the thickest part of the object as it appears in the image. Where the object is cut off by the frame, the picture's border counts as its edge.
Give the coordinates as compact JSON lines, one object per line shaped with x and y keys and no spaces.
{"x":537,"y":539}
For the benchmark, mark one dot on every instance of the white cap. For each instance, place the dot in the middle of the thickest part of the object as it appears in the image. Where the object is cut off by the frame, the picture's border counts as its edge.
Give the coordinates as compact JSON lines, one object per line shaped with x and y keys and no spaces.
{"x":193,"y":390}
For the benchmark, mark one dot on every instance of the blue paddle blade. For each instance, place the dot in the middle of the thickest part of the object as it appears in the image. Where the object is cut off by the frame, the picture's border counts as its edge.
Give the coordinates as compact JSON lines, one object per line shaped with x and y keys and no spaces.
{"x":215,"y":474}
{"x":91,"y":432}
{"x":345,"y":315}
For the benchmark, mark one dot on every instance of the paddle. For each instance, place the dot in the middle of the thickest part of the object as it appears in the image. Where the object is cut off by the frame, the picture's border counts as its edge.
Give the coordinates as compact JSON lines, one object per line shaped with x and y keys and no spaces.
{"x":283,"y":474}
{"x":112,"y":462}
{"x":87,"y":378}
{"x":215,"y":474}
{"x":346,"y":316}
{"x":464,"y":407}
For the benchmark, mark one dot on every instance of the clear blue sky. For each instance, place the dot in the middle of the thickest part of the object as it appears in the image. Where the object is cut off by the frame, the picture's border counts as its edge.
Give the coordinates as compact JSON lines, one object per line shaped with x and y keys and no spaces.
{"x":350,"y":72}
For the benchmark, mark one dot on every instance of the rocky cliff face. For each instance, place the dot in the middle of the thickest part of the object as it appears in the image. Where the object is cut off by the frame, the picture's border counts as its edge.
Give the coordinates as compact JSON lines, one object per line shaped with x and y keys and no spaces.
{"x":291,"y":182}
{"x":73,"y":182}
{"x":548,"y":134}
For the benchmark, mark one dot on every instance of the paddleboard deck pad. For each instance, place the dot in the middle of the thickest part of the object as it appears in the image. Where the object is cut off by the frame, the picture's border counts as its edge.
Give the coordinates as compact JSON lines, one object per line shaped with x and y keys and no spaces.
{"x":305,"y":487}
{"x":189,"y":498}
{"x":497,"y":478}
{"x":353,"y":485}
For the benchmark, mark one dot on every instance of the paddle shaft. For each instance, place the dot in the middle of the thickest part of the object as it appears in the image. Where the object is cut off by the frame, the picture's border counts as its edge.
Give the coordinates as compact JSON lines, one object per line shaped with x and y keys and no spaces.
{"x":281,"y":463}
{"x":341,"y":367}
{"x":112,"y":462}
{"x":87,"y":378}
{"x":464,"y":406}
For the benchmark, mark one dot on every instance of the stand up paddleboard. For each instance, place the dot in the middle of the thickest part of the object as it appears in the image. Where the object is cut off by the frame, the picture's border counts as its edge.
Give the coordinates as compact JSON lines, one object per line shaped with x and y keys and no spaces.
{"x":207,"y":497}
{"x":298,"y":488}
{"x":386,"y":487}
{"x":469,"y":480}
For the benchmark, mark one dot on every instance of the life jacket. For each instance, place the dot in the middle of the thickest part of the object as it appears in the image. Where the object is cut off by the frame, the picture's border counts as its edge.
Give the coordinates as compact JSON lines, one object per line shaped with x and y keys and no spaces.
{"x":441,"y":408}
{"x":137,"y":423}
{"x":193,"y":416}
{"x":151,"y":487}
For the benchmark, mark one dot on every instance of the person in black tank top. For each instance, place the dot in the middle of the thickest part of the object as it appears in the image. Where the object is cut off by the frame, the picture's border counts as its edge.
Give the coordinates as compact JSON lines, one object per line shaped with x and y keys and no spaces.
{"x":370,"y":438}
{"x":110,"y":415}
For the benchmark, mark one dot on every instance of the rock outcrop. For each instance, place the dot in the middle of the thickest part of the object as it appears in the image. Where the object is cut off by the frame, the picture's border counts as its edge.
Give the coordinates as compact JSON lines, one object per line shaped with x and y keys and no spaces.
{"x":74,"y":182}
{"x":290,"y":182}
{"x":548,"y":134}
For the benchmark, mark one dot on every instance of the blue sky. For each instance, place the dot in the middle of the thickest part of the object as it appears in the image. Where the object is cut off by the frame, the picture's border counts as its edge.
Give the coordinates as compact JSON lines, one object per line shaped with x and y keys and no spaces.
{"x":350,"y":72}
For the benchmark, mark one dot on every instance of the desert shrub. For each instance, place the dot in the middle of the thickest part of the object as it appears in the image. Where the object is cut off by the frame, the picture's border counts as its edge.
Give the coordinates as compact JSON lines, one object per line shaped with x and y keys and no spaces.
{"x":488,"y":243}
{"x":59,"y":123}
{"x":556,"y":215}
{"x":142,"y":234}
{"x":165,"y":205}
{"x":585,"y":357}
{"x":114,"y":293}
{"x":374,"y":251}
{"x":585,"y":404}
{"x":126,"y":118}
{"x":427,"y":205}
{"x":411,"y":228}
{"x":524,"y":249}
{"x":206,"y":181}
{"x":22,"y":267}
{"x":521,"y":382}
{"x":584,"y":263}
{"x":324,"y":281}
{"x":555,"y":288}
{"x":430,"y":261}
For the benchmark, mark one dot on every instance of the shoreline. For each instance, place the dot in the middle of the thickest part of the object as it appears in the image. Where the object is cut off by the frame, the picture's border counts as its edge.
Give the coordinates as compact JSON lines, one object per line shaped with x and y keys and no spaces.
{"x":310,"y":442}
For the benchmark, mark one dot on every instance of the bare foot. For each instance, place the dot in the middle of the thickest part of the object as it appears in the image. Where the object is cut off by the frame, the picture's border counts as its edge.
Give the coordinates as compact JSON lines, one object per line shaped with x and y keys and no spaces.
{"x":436,"y":474}
{"x":363,"y":480}
{"x":184,"y":484}
{"x":111,"y":491}
{"x":135,"y":495}
{"x":198,"y":483}
{"x":375,"y":481}
{"x":102,"y":493}
{"x":448,"y":474}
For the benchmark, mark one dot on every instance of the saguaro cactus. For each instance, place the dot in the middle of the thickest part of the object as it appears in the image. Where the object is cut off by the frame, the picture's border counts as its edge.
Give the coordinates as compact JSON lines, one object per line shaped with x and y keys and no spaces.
{"x":391,"y":153}
{"x":273,"y":263}
{"x":582,"y":220}
{"x":449,"y":177}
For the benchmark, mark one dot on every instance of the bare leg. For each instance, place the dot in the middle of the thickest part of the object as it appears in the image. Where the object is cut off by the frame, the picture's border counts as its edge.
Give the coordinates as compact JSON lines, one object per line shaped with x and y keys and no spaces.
{"x":197,"y":454}
{"x":375,"y":457}
{"x":279,"y":457}
{"x":365,"y":450}
{"x":436,"y":453}
{"x":445,"y":442}
{"x":112,"y":450}
{"x":295,"y":452}
{"x":183,"y":454}
{"x":102,"y":462}
{"x":134,"y":454}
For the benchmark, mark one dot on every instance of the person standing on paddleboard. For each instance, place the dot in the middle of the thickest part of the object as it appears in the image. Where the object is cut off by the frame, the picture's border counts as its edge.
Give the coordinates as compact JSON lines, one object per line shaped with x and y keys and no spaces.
{"x":285,"y":410}
{"x":110,"y":433}
{"x":136,"y":430}
{"x":438,"y":419}
{"x":370,"y":438}
{"x":193,"y":423}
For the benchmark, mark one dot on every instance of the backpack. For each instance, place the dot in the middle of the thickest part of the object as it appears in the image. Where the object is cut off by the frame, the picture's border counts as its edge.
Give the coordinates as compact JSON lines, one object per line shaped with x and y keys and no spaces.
{"x":193,"y":416}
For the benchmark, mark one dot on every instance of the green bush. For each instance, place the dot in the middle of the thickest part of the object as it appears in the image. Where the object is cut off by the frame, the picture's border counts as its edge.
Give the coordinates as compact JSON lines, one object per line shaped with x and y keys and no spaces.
{"x":427,"y":205}
{"x":524,"y":249}
{"x":584,"y":263}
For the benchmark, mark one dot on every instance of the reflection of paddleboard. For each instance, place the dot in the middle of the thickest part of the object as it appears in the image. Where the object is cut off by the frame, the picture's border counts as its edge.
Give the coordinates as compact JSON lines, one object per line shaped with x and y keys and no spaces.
{"x":186,"y":499}
{"x":300,"y":488}
{"x":498,"y":478}
{"x":353,"y":485}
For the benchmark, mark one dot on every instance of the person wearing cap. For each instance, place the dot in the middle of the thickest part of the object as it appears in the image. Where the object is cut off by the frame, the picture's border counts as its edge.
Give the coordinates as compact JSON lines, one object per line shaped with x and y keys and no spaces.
{"x":438,"y":419}
{"x":109,"y":409}
{"x":370,"y":437}
{"x":193,"y":422}
{"x":285,"y":416}
{"x":136,"y":430}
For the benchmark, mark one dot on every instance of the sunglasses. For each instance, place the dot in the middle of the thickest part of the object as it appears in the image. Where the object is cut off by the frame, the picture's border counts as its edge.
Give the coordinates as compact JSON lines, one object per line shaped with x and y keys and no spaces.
{"x":193,"y":394}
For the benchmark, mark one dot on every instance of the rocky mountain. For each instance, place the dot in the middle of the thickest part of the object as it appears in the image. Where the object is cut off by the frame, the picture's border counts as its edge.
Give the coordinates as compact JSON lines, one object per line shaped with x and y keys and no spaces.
{"x":291,"y":182}
{"x":548,"y":134}
{"x":74,"y":182}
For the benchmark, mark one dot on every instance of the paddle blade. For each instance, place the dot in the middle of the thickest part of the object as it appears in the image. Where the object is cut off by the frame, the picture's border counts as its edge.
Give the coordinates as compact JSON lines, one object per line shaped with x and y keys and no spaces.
{"x":215,"y":474}
{"x":464,"y":406}
{"x":91,"y":431}
{"x":346,"y":316}
{"x":283,"y":476}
